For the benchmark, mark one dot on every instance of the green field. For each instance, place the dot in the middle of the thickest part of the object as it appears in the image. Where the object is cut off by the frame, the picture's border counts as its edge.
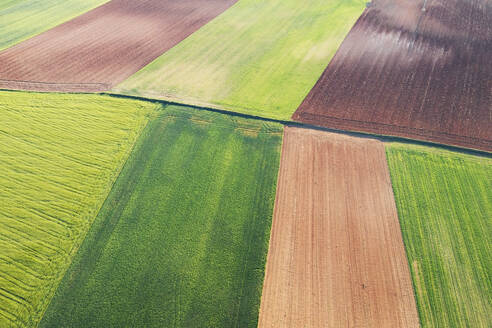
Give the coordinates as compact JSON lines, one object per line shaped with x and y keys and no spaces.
{"x":444,"y":202}
{"x":9,"y":3}
{"x":259,"y":57}
{"x":23,"y":19}
{"x":60,"y":155}
{"x":182,"y":239}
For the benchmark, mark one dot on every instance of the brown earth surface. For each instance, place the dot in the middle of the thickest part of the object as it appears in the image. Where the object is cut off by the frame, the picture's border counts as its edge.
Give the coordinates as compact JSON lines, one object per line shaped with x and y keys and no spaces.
{"x":103,"y":47}
{"x":336,"y":256}
{"x":418,"y":69}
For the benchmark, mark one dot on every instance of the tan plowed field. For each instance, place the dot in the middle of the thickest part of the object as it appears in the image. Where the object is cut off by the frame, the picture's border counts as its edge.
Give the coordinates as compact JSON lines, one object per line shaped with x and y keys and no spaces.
{"x":336,"y":256}
{"x":103,"y":47}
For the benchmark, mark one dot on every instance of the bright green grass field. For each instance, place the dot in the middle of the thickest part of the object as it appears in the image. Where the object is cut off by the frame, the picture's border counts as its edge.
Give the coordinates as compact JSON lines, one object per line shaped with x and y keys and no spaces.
{"x":59,"y":157}
{"x":182,"y":239}
{"x":444,"y":202}
{"x":22,"y":19}
{"x":259,"y":57}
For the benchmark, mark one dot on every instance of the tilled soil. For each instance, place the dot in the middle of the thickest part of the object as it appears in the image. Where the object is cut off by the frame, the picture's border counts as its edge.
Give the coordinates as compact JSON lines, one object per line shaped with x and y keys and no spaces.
{"x":103,"y":47}
{"x":336,"y":256}
{"x":417,"y":69}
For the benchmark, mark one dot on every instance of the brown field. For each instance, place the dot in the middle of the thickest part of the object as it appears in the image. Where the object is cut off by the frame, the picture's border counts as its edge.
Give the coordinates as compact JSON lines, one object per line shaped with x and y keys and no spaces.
{"x":103,"y":47}
{"x":419,"y":69}
{"x":336,"y":256}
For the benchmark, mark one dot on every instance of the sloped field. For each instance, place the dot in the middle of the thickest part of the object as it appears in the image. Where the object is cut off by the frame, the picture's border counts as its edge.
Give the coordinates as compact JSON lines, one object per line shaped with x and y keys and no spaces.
{"x":417,"y":69}
{"x":60,"y":155}
{"x":21,"y":19}
{"x":103,"y":47}
{"x":181,"y":240}
{"x":259,"y":57}
{"x":336,"y":256}
{"x":444,"y":202}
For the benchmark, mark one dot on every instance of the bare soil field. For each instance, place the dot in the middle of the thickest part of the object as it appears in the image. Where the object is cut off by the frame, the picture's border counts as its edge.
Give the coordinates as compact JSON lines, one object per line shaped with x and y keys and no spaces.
{"x":103,"y":47}
{"x":336,"y":256}
{"x":417,"y":69}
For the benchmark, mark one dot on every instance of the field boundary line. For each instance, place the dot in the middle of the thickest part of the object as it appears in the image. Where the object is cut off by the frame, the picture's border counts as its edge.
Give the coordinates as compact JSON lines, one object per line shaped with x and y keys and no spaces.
{"x":225,"y":126}
{"x":21,"y":85}
{"x":400,"y":128}
{"x":360,"y":134}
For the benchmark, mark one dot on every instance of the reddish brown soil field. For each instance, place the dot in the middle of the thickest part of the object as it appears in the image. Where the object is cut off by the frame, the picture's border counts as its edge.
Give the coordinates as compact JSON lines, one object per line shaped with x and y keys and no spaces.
{"x":419,"y":69}
{"x":103,"y":47}
{"x":336,"y":256}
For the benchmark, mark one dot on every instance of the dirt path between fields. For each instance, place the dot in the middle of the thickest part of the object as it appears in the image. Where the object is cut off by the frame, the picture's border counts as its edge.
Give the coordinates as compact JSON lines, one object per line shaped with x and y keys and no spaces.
{"x":336,"y":256}
{"x":103,"y":47}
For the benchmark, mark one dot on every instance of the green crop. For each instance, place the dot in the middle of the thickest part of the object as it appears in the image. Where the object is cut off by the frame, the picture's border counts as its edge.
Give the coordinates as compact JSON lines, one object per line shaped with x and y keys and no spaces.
{"x":259,"y":57}
{"x":444,"y":202}
{"x":59,"y":157}
{"x":182,"y":239}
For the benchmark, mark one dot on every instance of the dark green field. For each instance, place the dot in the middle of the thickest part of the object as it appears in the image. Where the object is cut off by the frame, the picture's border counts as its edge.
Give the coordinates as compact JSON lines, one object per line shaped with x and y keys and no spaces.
{"x":182,"y":239}
{"x":444,"y":202}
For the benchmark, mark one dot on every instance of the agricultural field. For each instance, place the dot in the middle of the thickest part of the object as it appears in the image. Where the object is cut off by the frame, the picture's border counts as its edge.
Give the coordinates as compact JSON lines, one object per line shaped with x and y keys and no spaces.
{"x":258,"y":57}
{"x":9,"y":3}
{"x":416,"y":69}
{"x":336,"y":256}
{"x":103,"y":47}
{"x":182,"y":239}
{"x":22,"y":19}
{"x":60,"y":155}
{"x":444,"y":201}
{"x":141,"y":142}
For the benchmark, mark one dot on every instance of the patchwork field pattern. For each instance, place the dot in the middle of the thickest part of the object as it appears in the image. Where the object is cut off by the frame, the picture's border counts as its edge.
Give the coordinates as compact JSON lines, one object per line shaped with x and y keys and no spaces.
{"x":60,"y":155}
{"x":182,"y":239}
{"x":336,"y":256}
{"x":21,"y":19}
{"x":259,"y":57}
{"x":103,"y":47}
{"x":417,"y":69}
{"x":444,"y":204}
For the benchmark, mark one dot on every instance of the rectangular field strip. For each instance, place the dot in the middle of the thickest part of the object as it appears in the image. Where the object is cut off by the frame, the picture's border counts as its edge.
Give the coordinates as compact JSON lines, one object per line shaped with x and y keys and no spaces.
{"x":444,"y":202}
{"x":60,"y":155}
{"x":182,"y":239}
{"x":259,"y":57}
{"x":336,"y":256}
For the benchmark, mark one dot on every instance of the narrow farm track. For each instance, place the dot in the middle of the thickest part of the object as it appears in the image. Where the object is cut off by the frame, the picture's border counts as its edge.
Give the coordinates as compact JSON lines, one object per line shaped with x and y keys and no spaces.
{"x":103,"y":47}
{"x":416,"y":69}
{"x":336,"y":256}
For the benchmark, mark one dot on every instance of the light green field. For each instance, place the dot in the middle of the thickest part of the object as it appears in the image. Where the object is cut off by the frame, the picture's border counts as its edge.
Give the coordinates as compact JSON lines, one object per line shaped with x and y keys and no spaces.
{"x":60,"y":155}
{"x":26,"y":18}
{"x":182,"y":239}
{"x":8,"y":3}
{"x":444,"y":202}
{"x":259,"y":57}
